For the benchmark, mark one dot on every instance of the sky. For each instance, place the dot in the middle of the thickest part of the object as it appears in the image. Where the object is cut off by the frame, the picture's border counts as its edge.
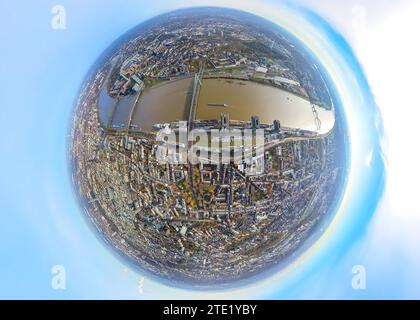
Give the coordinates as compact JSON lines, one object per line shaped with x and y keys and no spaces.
{"x":369,"y":50}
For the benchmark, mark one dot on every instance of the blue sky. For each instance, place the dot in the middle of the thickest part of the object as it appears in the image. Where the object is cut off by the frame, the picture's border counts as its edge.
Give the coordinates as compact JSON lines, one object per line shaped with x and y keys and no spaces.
{"x":42,"y":225}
